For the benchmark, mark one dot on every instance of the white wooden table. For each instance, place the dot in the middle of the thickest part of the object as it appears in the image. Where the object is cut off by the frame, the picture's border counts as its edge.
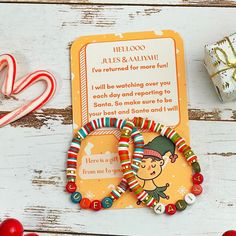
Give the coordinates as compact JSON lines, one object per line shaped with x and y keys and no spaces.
{"x":33,"y":149}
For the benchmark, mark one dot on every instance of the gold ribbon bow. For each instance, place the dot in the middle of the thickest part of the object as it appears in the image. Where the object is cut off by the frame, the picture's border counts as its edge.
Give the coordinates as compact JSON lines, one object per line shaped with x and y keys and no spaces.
{"x":229,"y":64}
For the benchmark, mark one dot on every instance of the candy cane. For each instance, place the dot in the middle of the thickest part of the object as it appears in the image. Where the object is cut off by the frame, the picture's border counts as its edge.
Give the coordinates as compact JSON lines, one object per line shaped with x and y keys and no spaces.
{"x":12,"y":87}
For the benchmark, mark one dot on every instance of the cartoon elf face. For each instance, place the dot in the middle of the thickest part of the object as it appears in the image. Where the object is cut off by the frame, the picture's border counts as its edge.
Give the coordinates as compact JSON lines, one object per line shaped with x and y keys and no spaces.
{"x":152,"y":164}
{"x":150,"y":168}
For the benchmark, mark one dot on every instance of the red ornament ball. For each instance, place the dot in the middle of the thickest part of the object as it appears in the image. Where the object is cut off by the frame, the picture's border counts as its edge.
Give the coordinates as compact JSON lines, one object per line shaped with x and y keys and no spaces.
{"x":11,"y":227}
{"x":230,"y":233}
{"x":31,"y":234}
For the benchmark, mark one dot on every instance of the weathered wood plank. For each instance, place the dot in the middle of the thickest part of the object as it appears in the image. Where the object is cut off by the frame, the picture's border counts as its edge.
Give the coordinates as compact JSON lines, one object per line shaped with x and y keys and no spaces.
{"x":60,"y":26}
{"x":33,"y":178}
{"x":64,"y":115}
{"x":43,"y":233}
{"x":32,"y":160}
{"x":197,"y":3}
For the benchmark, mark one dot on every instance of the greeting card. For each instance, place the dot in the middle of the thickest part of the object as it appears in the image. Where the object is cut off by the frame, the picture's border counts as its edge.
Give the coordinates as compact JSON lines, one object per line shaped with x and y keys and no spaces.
{"x":125,"y":76}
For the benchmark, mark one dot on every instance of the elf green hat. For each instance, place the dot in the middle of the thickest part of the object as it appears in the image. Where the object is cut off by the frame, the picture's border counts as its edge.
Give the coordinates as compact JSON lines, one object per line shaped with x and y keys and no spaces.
{"x":159,"y":146}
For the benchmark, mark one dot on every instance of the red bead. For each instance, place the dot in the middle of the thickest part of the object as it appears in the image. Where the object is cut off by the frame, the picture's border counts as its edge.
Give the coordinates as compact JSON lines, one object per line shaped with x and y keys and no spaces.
{"x":230,"y":233}
{"x":152,"y":126}
{"x":85,"y":203}
{"x":96,"y":205}
{"x":170,"y":209}
{"x":11,"y":227}
{"x":197,"y":178}
{"x":196,"y":189}
{"x":71,"y":187}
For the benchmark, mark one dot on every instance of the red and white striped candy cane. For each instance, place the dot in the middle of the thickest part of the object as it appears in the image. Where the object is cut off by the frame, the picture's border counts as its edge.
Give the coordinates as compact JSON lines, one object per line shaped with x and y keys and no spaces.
{"x":12,"y":87}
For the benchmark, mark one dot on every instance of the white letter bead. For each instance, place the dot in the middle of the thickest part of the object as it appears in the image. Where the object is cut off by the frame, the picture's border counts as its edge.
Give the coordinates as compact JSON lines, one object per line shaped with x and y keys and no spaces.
{"x":190,"y":198}
{"x":159,"y":208}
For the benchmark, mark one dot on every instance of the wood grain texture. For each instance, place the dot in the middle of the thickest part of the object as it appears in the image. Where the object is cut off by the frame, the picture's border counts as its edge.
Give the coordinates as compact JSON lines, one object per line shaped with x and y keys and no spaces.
{"x":44,"y":117}
{"x":33,"y":150}
{"x":43,"y":233}
{"x":36,"y":191}
{"x":196,"y":3}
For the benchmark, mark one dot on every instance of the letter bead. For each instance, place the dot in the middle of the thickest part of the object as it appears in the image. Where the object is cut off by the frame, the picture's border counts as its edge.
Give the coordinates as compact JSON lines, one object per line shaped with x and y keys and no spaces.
{"x":85,"y":203}
{"x":76,"y":197}
{"x":170,"y":209}
{"x":71,"y":187}
{"x":197,"y":178}
{"x":190,"y":198}
{"x":96,"y":205}
{"x":196,"y":189}
{"x":181,"y":205}
{"x":159,"y":208}
{"x":107,"y":202}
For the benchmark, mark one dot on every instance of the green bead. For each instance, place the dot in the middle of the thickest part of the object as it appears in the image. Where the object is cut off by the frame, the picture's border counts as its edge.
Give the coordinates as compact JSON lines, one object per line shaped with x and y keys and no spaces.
{"x":175,"y":137}
{"x":124,"y":145}
{"x":76,"y":197}
{"x":188,"y":153}
{"x":107,"y":202}
{"x":71,"y":179}
{"x":196,"y":167}
{"x":147,"y":199}
{"x":181,"y":205}
{"x":139,"y":190}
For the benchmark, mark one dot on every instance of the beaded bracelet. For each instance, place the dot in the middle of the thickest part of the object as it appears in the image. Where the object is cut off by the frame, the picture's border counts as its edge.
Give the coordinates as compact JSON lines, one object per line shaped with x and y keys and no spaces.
{"x":74,"y":149}
{"x":179,"y":142}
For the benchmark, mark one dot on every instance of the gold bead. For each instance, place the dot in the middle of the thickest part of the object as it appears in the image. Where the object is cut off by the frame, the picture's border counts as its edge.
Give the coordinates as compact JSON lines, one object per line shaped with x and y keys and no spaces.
{"x":126,"y":132}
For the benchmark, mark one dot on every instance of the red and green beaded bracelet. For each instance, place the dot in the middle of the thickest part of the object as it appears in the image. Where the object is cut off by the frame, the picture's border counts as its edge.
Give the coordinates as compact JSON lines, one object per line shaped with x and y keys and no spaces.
{"x":179,"y":142}
{"x":74,"y":149}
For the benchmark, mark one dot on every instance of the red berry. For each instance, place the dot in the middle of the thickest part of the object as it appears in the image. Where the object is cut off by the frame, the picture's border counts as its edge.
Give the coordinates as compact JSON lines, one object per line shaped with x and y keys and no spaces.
{"x":230,"y":233}
{"x":11,"y":227}
{"x":31,"y":234}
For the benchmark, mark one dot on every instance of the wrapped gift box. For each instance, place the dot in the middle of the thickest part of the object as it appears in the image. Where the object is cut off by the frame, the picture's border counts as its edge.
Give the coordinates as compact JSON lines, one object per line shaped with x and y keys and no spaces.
{"x":220,"y":61}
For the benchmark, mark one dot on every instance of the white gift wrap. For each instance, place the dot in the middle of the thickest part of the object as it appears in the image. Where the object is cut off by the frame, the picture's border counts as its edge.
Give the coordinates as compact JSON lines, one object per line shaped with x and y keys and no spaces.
{"x":220,"y":61}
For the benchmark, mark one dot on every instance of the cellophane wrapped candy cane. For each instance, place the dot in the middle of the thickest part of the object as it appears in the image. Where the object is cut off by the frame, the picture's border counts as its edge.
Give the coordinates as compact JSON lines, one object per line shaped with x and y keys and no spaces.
{"x":11,"y":86}
{"x":220,"y":61}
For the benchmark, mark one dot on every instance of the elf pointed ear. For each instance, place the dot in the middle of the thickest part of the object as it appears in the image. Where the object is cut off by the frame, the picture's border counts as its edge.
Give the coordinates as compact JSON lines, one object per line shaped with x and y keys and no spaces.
{"x":161,"y":162}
